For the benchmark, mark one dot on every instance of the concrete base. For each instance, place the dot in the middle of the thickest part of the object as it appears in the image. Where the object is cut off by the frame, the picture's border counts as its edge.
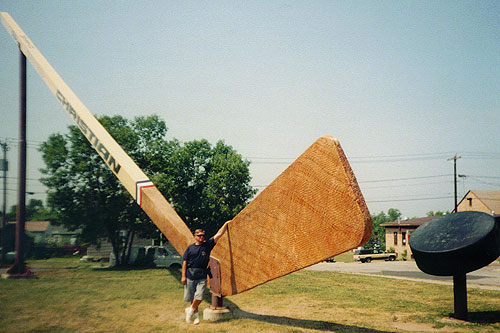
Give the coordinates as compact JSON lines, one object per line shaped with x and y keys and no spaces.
{"x":216,"y":314}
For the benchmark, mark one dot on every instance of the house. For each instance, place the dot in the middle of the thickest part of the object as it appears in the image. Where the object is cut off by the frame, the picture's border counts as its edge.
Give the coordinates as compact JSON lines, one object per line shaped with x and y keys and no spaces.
{"x":102,"y":251}
{"x":397,"y":234}
{"x":43,"y":231}
{"x":481,"y":201}
{"x":39,"y":230}
{"x":61,"y":235}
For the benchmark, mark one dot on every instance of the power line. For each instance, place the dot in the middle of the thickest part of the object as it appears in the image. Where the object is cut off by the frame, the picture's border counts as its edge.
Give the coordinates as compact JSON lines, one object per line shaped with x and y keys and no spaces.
{"x":401,"y":179}
{"x":384,"y":159}
{"x":488,"y":183}
{"x":28,"y":192}
{"x":401,"y":185}
{"x":490,"y":177}
{"x":33,"y":179}
{"x":413,"y":199}
{"x":406,"y":178}
{"x":17,"y":140}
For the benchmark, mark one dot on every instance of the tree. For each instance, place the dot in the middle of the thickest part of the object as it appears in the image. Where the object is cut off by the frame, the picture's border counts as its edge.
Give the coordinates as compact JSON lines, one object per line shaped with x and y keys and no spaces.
{"x":12,"y":213}
{"x":377,"y":238}
{"x":393,"y":214}
{"x":85,"y":194}
{"x":35,"y":211}
{"x":205,"y":185}
{"x":437,"y":213}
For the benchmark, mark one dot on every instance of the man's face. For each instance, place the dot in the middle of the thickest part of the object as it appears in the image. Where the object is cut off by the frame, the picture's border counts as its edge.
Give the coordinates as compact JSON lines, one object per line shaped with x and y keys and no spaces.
{"x":199,"y":237}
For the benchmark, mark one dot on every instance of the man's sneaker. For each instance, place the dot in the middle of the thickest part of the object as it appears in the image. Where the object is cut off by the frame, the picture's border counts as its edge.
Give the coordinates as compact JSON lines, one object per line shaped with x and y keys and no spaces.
{"x":189,"y":315}
{"x":196,"y":318}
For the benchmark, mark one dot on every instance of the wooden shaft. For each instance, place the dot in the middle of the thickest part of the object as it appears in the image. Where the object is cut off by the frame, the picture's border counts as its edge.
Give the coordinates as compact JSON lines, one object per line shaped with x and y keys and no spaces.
{"x":115,"y":157}
{"x":125,"y":169}
{"x":217,"y":302}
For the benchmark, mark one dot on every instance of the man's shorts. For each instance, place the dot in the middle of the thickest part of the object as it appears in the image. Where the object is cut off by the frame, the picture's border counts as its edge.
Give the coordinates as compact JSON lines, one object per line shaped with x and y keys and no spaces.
{"x":194,"y":289}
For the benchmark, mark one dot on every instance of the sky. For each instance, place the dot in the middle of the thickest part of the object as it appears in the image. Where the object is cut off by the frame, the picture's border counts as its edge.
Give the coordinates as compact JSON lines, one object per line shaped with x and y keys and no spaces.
{"x":403,"y":85}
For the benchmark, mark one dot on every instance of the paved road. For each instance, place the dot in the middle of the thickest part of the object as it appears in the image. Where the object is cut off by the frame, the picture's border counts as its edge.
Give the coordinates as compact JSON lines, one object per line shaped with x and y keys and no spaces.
{"x":486,"y":278}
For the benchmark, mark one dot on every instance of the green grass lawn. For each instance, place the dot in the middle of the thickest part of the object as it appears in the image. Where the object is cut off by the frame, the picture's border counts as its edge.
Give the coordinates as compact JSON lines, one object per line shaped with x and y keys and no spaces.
{"x":345,"y":257}
{"x":73,"y":296}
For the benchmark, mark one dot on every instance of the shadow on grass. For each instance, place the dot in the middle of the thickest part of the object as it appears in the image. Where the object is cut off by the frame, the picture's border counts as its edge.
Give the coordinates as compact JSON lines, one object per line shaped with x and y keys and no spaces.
{"x":176,"y":273}
{"x":320,"y":325}
{"x":482,"y":317}
{"x":120,"y":268}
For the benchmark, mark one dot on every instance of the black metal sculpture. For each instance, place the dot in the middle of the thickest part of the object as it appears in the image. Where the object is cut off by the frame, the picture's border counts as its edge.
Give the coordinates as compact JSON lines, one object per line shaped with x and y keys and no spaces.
{"x":454,"y":245}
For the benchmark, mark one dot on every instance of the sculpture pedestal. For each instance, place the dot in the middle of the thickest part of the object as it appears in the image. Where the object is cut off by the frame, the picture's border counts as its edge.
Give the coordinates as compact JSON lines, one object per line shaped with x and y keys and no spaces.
{"x":216,"y":314}
{"x":460,"y":296}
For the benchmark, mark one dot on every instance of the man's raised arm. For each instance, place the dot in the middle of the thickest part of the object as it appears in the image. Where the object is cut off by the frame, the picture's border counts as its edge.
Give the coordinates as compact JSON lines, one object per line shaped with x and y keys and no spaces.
{"x":221,"y":231}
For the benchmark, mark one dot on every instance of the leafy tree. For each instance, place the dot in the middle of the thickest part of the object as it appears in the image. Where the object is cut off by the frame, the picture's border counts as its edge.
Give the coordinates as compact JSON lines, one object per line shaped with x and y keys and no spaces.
{"x":85,"y":194}
{"x":35,"y":211}
{"x":437,"y":213}
{"x":12,"y":213}
{"x":393,"y":214}
{"x":206,"y":185}
{"x":377,"y":238}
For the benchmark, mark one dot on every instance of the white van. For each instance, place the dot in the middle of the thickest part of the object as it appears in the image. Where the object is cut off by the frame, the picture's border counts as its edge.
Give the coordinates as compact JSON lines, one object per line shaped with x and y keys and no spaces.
{"x":163,"y":257}
{"x":137,"y":252}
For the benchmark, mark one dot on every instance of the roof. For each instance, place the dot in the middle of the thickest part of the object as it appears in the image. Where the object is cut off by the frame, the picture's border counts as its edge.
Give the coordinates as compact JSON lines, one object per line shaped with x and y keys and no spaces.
{"x":490,"y":199}
{"x":41,"y":226}
{"x":409,"y":223}
{"x":34,"y":226}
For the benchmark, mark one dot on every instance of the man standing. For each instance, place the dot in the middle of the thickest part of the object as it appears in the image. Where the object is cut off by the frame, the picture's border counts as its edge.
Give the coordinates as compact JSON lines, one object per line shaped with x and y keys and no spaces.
{"x":194,"y":270}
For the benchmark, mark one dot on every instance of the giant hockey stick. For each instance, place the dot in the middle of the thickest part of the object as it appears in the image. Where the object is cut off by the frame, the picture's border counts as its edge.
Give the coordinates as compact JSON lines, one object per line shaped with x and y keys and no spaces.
{"x":312,"y":211}
{"x":129,"y":174}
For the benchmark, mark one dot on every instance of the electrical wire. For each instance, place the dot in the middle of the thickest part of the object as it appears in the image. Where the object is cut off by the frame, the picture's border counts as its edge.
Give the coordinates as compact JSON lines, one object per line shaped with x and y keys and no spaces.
{"x":413,"y":199}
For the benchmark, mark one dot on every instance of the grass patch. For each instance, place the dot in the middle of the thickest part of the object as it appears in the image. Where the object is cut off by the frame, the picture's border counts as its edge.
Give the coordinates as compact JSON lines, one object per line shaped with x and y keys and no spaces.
{"x":345,"y":257}
{"x":68,"y":262}
{"x":88,"y":297}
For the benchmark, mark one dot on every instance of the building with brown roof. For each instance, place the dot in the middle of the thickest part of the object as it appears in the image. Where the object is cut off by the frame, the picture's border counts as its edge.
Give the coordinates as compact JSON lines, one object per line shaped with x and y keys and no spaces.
{"x":397,"y":235}
{"x":43,"y":231}
{"x":481,"y":201}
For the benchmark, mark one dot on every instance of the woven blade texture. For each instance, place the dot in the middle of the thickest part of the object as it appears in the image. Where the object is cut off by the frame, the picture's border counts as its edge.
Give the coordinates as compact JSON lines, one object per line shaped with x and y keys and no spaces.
{"x":314,"y":210}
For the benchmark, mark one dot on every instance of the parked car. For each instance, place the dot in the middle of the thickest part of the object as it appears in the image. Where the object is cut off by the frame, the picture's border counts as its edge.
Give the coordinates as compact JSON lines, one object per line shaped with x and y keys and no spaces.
{"x":137,"y":253}
{"x":367,"y":255}
{"x":163,"y":257}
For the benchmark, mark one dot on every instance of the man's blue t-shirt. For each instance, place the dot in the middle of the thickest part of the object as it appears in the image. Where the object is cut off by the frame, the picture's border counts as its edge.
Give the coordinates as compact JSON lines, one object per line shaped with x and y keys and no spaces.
{"x":197,"y":256}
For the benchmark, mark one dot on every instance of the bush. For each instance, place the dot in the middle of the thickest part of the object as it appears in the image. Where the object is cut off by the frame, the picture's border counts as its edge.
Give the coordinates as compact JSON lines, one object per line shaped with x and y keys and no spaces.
{"x":404,"y":255}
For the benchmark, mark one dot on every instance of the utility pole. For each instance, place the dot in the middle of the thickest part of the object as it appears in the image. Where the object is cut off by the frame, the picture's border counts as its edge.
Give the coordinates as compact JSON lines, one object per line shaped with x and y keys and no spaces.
{"x":4,"y":166}
{"x":455,"y":158}
{"x":19,"y":268}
